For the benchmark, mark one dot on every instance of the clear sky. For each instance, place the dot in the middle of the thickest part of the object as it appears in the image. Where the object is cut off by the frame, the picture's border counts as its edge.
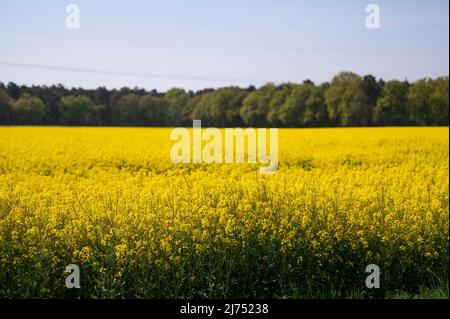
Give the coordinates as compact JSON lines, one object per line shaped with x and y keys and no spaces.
{"x":211,"y":43}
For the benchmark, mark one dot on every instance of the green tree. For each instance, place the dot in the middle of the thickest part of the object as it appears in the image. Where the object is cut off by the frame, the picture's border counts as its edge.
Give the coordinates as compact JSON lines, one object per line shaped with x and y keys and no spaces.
{"x":225,"y":104}
{"x":76,"y":110}
{"x":292,"y":112}
{"x":363,"y":102}
{"x":176,"y":99}
{"x":14,"y":91}
{"x":126,"y":111}
{"x":202,"y":109}
{"x":99,"y":115}
{"x":28,"y":110}
{"x":391,"y":108}
{"x":150,"y":111}
{"x":419,"y":97}
{"x":371,"y":88}
{"x":187,"y":111}
{"x":359,"y":111}
{"x":348,"y":100}
{"x":279,"y":98}
{"x":5,"y":108}
{"x":339,"y":95}
{"x":439,"y":102}
{"x":316,"y":113}
{"x":255,"y":106}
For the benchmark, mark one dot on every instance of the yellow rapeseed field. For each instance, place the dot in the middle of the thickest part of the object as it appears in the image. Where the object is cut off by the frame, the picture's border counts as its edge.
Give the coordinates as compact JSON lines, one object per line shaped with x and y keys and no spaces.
{"x":111,"y":201}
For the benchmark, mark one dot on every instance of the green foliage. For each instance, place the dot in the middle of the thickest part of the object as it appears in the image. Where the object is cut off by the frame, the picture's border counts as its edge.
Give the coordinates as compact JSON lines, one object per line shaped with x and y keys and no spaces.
{"x":28,"y":110}
{"x":151,"y":110}
{"x":419,"y":101}
{"x":292,"y":111}
{"x":5,"y":108}
{"x":339,"y":97}
{"x":392,"y":107}
{"x":75,"y":110}
{"x":439,"y":102}
{"x":176,"y":98}
{"x":349,"y":100}
{"x":428,"y":101}
{"x":126,"y":111}
{"x":256,"y":106}
{"x":277,"y":101}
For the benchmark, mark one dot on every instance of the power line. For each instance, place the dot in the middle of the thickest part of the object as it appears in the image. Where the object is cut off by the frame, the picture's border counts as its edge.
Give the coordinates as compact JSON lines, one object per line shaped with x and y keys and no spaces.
{"x":227,"y":46}
{"x":129,"y":73}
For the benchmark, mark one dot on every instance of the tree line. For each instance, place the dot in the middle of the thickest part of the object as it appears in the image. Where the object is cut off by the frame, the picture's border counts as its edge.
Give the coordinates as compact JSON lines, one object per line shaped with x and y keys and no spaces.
{"x":348,"y":100}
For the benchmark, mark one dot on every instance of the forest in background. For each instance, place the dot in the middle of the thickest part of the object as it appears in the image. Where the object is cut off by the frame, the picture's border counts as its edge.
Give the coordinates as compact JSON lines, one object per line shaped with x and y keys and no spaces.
{"x":348,"y":100}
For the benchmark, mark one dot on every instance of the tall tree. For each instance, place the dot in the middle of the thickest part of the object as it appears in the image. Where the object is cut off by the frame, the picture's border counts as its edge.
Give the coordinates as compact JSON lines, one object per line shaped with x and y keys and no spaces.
{"x":391,"y":108}
{"x":277,"y":101}
{"x":176,"y":98}
{"x":316,"y":113}
{"x":225,"y":106}
{"x":29,"y":110}
{"x":100,"y":115}
{"x":5,"y":108}
{"x":76,"y":110}
{"x":292,"y":112}
{"x":256,"y":105}
{"x":14,"y":91}
{"x":202,"y":109}
{"x":339,"y":95}
{"x":151,"y":110}
{"x":439,"y":102}
{"x":420,"y":101}
{"x":126,"y":111}
{"x":364,"y":100}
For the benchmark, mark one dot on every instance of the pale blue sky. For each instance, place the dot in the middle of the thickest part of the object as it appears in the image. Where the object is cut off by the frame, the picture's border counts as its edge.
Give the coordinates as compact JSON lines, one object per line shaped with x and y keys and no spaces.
{"x":204,"y":43}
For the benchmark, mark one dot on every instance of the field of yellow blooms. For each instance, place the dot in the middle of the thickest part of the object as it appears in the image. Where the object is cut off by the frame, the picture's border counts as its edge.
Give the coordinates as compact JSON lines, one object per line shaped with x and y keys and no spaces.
{"x":139,"y":226}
